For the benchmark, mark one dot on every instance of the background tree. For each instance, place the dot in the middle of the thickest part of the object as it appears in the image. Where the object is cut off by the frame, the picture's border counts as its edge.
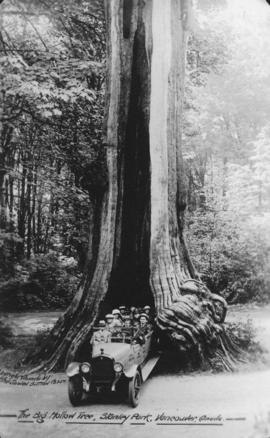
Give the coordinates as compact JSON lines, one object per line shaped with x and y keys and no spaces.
{"x":225,"y":127}
{"x":52,"y":162}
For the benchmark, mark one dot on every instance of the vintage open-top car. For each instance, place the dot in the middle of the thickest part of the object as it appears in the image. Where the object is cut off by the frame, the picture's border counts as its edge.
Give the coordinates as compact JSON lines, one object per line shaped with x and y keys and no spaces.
{"x":120,"y":365}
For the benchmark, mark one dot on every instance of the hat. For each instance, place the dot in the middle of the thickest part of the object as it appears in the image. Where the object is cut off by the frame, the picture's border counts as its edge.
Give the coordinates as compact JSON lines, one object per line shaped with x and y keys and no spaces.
{"x":102,"y":323}
{"x":143,"y":315}
{"x":132,"y":309}
{"x":115,"y":311}
{"x":108,"y":316}
{"x":122,"y":307}
{"x":147,"y":307}
{"x":127,"y":317}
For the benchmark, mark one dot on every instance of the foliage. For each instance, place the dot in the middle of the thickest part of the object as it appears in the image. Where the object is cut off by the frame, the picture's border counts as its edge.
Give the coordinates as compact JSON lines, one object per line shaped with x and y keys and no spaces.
{"x":46,"y":282}
{"x":243,"y":334}
{"x":233,"y":257}
{"x":226,"y":150}
{"x":51,"y":150}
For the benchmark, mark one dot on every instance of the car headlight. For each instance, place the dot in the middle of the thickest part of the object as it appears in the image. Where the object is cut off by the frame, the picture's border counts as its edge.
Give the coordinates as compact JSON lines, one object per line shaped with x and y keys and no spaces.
{"x":118,"y":368}
{"x":85,"y":368}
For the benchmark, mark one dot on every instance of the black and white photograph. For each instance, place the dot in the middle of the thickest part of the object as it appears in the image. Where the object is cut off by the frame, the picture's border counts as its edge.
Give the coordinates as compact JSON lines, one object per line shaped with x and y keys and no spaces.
{"x":135,"y":218}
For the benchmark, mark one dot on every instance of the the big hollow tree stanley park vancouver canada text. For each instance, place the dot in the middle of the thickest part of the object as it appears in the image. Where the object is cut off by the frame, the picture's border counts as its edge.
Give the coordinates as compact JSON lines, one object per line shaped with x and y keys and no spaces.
{"x":135,"y":214}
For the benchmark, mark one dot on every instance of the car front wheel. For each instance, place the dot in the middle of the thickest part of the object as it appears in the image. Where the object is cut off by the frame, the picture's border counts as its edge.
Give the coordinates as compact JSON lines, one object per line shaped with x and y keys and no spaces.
{"x":134,"y":389}
{"x":75,"y":390}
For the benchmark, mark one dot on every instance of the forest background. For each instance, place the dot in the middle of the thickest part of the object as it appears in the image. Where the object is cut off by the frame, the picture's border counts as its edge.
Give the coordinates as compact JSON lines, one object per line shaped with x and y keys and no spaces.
{"x":52,"y":156}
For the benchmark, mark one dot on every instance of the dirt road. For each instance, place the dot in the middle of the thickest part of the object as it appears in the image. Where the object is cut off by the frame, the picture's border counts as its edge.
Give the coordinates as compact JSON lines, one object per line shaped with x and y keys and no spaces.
{"x":203,"y":405}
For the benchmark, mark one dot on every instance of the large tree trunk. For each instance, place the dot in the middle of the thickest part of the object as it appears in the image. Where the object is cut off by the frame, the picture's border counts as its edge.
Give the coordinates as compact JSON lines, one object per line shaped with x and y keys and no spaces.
{"x":138,"y":251}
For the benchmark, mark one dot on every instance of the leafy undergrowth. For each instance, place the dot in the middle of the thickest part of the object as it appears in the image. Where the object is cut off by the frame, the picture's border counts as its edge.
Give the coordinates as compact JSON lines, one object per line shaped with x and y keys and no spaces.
{"x":244,"y":335}
{"x":45,"y":282}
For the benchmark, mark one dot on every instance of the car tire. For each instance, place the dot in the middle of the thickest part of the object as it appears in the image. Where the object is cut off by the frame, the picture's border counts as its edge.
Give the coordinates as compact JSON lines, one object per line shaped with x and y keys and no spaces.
{"x":134,"y":387}
{"x":75,"y":390}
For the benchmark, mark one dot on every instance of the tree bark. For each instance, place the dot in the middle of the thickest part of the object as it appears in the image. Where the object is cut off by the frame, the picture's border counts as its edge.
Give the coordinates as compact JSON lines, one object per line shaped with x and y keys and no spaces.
{"x":140,"y":253}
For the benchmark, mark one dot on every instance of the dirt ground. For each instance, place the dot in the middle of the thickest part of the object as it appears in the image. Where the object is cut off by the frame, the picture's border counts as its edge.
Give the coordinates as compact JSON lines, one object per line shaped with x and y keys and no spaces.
{"x":195,"y":405}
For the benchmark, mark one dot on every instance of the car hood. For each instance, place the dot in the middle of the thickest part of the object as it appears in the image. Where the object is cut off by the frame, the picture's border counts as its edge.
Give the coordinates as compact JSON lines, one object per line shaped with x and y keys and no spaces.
{"x":117,"y":351}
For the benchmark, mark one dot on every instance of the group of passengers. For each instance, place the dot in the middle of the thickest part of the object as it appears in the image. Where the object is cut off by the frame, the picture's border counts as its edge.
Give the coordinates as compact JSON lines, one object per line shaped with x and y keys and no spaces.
{"x":123,"y":323}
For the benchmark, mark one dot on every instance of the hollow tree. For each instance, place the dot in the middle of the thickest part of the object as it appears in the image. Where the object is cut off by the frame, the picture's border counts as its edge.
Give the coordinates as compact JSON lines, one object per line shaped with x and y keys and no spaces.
{"x":138,"y":253}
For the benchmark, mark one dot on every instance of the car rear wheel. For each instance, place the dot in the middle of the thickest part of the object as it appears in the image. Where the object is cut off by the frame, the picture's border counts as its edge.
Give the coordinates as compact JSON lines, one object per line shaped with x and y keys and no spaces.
{"x":75,"y":390}
{"x":134,"y":387}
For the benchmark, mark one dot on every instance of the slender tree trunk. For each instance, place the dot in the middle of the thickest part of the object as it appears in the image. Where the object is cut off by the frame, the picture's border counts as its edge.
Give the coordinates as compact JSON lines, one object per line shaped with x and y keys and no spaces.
{"x":11,"y":200}
{"x":5,"y":140}
{"x":39,"y":219}
{"x":33,"y":209}
{"x":140,"y":254}
{"x":29,"y":196}
{"x":3,"y":207}
{"x":224,"y":176}
{"x":22,"y":212}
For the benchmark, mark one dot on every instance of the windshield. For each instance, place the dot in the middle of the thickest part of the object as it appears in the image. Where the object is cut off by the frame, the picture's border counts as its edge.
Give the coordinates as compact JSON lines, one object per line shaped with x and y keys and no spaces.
{"x":123,"y":334}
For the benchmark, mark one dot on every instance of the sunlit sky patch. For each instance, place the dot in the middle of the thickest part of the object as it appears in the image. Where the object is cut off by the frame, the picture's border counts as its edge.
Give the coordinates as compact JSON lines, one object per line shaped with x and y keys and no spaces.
{"x":240,"y":13}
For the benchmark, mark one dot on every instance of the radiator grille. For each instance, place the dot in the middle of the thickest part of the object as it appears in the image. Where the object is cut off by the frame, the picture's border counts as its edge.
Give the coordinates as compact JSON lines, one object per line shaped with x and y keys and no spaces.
{"x":102,"y":367}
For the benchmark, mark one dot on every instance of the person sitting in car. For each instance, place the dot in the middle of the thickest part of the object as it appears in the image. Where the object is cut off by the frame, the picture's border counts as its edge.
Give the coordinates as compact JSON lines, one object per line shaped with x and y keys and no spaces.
{"x":113,"y":325}
{"x":147,"y":310}
{"x":116,"y":325}
{"x":131,"y":311}
{"x":101,"y":335}
{"x":143,"y":329}
{"x":127,"y":322}
{"x":110,"y":322}
{"x":117,"y":317}
{"x":144,"y":322}
{"x":123,"y":311}
{"x":127,"y":329}
{"x":135,"y":318}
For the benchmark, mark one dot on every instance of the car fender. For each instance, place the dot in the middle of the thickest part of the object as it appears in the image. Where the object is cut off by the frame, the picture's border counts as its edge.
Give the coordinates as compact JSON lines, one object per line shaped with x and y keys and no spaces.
{"x":130,"y":372}
{"x":73,"y":369}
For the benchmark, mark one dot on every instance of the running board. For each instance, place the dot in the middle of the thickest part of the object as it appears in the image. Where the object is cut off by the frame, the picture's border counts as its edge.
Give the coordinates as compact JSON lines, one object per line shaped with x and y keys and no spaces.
{"x":148,"y":367}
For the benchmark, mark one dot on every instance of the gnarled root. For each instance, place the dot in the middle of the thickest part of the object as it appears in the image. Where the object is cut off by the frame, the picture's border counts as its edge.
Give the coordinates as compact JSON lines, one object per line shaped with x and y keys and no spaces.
{"x":191,"y":324}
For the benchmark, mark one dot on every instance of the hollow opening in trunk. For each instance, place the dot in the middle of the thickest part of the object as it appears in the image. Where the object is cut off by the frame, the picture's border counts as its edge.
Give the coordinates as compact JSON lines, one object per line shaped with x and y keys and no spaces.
{"x":130,"y":277}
